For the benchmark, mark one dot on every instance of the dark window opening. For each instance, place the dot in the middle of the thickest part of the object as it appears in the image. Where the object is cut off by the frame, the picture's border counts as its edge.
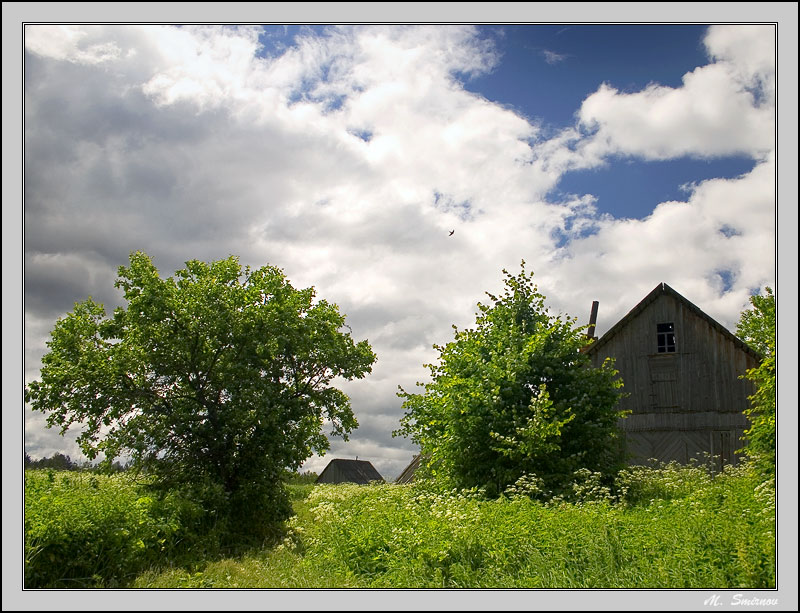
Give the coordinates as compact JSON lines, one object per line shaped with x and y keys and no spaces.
{"x":666,"y":338}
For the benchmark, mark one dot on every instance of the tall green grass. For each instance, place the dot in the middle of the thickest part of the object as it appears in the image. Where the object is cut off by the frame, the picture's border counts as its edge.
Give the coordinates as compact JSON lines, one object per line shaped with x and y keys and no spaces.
{"x":89,"y":530}
{"x":669,"y":527}
{"x":718,"y":534}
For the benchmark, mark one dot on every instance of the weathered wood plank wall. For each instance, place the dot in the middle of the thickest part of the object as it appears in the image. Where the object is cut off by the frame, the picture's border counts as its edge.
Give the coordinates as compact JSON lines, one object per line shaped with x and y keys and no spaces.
{"x":685,"y":402}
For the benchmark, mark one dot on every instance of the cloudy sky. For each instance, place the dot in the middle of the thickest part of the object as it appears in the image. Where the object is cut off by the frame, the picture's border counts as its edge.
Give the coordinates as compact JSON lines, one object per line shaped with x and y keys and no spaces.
{"x":609,"y":157}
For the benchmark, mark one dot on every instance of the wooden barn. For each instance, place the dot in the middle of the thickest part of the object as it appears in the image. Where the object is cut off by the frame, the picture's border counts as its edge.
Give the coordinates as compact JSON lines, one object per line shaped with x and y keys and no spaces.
{"x":681,"y":371}
{"x":349,"y":471}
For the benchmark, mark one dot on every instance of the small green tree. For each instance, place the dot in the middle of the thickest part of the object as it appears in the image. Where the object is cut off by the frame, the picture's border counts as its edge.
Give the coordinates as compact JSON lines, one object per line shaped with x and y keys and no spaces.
{"x":216,"y":379}
{"x":757,"y":328}
{"x":515,"y":399}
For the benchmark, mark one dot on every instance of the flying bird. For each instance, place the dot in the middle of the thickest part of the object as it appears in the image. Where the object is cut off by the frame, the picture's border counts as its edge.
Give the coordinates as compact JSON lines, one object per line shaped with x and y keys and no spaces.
{"x":451,"y":233}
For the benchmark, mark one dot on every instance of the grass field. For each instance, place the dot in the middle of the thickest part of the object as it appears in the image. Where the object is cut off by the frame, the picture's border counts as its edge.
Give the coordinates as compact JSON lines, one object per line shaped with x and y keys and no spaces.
{"x":674,"y":527}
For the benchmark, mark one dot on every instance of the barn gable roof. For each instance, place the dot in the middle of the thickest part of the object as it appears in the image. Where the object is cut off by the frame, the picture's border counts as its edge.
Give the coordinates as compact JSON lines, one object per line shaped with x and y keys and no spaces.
{"x":660,"y":290}
{"x":351,"y":471}
{"x":407,"y":476}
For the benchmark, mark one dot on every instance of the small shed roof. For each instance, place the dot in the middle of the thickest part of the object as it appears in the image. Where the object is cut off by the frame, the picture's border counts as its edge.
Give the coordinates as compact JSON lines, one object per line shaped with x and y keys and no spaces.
{"x":349,"y":471}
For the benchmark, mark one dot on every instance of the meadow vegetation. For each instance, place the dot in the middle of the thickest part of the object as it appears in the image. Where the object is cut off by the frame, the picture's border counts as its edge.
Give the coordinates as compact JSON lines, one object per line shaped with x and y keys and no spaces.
{"x":669,"y":526}
{"x":523,"y":485}
{"x":211,"y":382}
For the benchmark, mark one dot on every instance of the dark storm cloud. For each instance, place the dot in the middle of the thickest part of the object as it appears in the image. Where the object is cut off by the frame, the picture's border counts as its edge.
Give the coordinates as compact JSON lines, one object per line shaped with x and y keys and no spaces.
{"x":54,"y":283}
{"x":108,"y":174}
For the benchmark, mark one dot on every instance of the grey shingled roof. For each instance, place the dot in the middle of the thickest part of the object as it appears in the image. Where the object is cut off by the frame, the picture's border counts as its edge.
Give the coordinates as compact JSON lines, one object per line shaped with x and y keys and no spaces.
{"x":352,"y":471}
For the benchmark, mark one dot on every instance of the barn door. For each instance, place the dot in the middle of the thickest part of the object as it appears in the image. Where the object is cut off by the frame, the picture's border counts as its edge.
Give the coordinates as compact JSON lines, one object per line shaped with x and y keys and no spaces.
{"x":721,"y":448}
{"x":664,"y":384}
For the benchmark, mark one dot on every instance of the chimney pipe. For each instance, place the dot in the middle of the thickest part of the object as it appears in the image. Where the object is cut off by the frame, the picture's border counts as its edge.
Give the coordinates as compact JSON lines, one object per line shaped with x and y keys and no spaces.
{"x":592,"y":319}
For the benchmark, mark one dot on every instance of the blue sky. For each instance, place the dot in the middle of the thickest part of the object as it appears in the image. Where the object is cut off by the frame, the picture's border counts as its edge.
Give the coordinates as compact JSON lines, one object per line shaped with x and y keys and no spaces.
{"x":547,"y":70}
{"x":573,"y":60}
{"x":632,"y":188}
{"x":609,"y":158}
{"x":544,"y":72}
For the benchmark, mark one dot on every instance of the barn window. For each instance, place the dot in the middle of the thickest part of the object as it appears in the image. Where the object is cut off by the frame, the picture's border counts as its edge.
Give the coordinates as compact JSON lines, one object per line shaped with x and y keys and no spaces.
{"x":666,"y":338}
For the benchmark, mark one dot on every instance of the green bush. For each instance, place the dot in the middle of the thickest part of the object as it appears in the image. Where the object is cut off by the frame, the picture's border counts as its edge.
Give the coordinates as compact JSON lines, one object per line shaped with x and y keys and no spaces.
{"x":89,"y":530}
{"x":757,"y":328}
{"x":515,"y":398}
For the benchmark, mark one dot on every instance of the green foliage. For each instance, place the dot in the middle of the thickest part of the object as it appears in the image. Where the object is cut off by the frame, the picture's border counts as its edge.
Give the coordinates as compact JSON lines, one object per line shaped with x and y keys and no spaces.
{"x":757,"y":325}
{"x":707,"y":532}
{"x":218,"y":379}
{"x":58,"y":461}
{"x":297,"y":478}
{"x":88,"y":530}
{"x":757,"y":328}
{"x":669,"y":527}
{"x":515,"y":397}
{"x":640,"y":485}
{"x":300,"y":485}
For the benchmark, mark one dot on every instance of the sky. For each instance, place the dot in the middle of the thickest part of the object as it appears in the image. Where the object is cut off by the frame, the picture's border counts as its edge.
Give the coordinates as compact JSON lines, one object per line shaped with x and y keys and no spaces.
{"x":610,"y":158}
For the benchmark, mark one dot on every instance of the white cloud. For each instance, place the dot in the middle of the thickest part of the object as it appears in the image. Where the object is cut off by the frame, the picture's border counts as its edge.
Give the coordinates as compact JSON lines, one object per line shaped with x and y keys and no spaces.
{"x":748,"y":52}
{"x":70,"y":43}
{"x":551,"y":57}
{"x":210,"y":66}
{"x":725,"y":225}
{"x":186,"y":144}
{"x":724,"y":108}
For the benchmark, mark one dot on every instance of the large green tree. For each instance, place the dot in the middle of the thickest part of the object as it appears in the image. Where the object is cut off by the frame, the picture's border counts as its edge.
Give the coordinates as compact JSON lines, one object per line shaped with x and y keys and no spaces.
{"x":757,"y":328}
{"x":220,"y":375}
{"x":515,"y":397}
